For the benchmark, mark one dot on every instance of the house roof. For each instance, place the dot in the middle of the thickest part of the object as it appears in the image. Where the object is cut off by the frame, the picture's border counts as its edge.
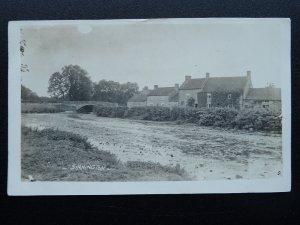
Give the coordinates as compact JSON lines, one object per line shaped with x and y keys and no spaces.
{"x":192,"y":84}
{"x":218,"y":84}
{"x":138,"y":98}
{"x":268,"y":93}
{"x":162,"y":91}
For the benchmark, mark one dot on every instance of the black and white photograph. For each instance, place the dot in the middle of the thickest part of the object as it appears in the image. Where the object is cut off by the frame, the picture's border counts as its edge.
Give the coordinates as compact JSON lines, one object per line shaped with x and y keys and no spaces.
{"x":149,"y":106}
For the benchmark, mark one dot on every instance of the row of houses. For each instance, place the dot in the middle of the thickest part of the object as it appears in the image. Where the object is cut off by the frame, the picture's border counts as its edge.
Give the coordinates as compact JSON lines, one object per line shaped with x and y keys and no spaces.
{"x":235,"y":92}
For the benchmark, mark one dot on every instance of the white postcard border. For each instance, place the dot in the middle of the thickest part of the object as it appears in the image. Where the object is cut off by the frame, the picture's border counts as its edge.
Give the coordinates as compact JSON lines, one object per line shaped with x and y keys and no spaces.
{"x":17,"y":187}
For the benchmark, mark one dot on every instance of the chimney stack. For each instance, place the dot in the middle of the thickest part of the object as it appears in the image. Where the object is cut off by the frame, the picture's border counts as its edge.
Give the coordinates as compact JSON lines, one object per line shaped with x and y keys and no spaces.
{"x":248,"y":74}
{"x":188,"y":78}
{"x":155,"y":86}
{"x":207,"y":75}
{"x":177,"y":86}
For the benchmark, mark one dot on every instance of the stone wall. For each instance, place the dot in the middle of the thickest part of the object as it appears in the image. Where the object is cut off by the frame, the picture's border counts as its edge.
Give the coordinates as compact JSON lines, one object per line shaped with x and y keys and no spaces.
{"x":220,"y":99}
{"x":184,"y":95}
{"x":157,"y":100}
{"x":271,"y":105}
{"x":160,"y":101}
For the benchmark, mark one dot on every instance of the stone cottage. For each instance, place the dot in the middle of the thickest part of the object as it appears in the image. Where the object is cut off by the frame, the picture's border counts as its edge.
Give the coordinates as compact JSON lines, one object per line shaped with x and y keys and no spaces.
{"x":215,"y":91}
{"x":163,"y":96}
{"x":224,"y":91}
{"x":140,"y":99}
{"x":268,"y":97}
{"x":190,"y":88}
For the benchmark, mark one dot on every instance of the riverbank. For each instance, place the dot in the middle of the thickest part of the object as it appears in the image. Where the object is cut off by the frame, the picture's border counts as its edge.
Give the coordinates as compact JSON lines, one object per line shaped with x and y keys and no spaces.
{"x":53,"y":155}
{"x":204,"y":152}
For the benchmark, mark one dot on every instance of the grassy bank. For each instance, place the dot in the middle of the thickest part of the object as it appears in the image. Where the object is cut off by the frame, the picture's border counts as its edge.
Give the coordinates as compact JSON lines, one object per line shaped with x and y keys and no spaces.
{"x":249,"y":119}
{"x":53,"y":155}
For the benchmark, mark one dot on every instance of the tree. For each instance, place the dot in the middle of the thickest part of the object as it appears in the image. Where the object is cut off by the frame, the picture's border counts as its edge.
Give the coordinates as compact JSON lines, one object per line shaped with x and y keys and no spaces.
{"x":106,"y":91}
{"x":111,"y":91}
{"x":191,"y":102}
{"x":28,"y":95}
{"x":73,"y":83}
{"x":59,"y":85}
{"x":128,"y":90}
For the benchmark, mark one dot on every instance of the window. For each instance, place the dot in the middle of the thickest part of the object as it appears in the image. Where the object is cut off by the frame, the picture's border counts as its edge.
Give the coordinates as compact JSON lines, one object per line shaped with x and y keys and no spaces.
{"x":208,"y":100}
{"x":208,"y":105}
{"x":229,"y":96}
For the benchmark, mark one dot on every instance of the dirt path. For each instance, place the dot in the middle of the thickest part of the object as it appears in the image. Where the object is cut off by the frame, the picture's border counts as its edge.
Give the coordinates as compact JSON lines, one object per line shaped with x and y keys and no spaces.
{"x":205,"y":153}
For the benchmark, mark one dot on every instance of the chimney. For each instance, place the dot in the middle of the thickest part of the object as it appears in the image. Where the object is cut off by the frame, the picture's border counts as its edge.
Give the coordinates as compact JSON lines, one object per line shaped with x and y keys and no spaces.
{"x":155,"y":86}
{"x":248,"y":74}
{"x":177,"y":86}
{"x":145,"y":88}
{"x":188,"y":78}
{"x":207,"y":75}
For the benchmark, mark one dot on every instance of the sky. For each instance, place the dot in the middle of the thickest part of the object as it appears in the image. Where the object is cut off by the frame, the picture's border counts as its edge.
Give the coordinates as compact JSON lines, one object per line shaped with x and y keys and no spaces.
{"x":153,"y":53}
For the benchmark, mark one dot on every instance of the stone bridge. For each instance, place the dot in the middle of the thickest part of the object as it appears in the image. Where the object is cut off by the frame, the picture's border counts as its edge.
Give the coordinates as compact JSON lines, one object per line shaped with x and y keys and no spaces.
{"x":88,"y":106}
{"x":75,"y":106}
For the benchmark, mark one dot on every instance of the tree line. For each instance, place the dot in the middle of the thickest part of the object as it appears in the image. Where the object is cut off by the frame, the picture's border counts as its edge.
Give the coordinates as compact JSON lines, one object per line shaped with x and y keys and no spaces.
{"x":74,"y":84}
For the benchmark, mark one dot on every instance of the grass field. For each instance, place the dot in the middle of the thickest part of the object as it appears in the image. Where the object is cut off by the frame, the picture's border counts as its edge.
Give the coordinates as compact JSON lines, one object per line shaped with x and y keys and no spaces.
{"x":53,"y":155}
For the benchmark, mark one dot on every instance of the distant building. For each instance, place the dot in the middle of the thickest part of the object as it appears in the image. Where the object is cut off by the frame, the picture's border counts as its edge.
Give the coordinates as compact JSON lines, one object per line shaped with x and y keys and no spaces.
{"x":234,"y":92}
{"x":163,"y":96}
{"x":139,"y":100}
{"x":268,"y":97}
{"x":215,"y":91}
{"x":224,"y":91}
{"x":190,"y":89}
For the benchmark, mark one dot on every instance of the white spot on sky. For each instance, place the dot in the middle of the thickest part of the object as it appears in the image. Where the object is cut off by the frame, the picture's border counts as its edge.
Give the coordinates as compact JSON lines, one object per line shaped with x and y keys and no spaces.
{"x":84,"y":28}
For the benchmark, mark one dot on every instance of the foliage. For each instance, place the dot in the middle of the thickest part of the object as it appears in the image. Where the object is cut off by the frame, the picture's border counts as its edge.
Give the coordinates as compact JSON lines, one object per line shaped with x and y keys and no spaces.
{"x":218,"y":117}
{"x":251,"y":119}
{"x":59,"y":86}
{"x":190,"y":102}
{"x":28,"y":95}
{"x":111,"y":91}
{"x":258,"y":119}
{"x":72,"y":83}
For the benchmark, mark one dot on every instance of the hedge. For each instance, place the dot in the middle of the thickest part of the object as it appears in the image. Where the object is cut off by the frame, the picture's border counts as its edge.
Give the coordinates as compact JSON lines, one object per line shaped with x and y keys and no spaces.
{"x":250,"y":119}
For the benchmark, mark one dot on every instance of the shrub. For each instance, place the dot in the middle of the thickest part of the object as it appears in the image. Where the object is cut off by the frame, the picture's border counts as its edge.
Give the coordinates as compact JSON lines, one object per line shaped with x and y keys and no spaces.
{"x":110,"y":111}
{"x":219,"y":117}
{"x":256,"y":119}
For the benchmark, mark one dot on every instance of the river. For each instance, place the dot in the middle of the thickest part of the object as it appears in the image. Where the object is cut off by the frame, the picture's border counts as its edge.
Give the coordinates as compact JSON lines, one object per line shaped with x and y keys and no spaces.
{"x":205,"y":153}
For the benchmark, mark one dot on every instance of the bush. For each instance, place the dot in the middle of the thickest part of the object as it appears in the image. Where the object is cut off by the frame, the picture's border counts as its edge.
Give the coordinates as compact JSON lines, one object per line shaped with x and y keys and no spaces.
{"x":256,"y":119}
{"x":110,"y":111}
{"x":218,"y":117}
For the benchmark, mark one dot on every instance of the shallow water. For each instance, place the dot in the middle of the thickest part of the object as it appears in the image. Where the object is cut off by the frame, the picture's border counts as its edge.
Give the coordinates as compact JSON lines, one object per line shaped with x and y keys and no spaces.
{"x":205,"y":153}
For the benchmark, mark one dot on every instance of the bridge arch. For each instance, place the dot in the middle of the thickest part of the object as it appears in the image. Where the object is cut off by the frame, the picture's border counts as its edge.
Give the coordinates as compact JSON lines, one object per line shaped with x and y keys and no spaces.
{"x":87,"y":108}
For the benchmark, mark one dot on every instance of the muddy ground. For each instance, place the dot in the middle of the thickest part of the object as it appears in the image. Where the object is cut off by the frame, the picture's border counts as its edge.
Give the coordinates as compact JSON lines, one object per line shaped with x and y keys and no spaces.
{"x":205,"y":153}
